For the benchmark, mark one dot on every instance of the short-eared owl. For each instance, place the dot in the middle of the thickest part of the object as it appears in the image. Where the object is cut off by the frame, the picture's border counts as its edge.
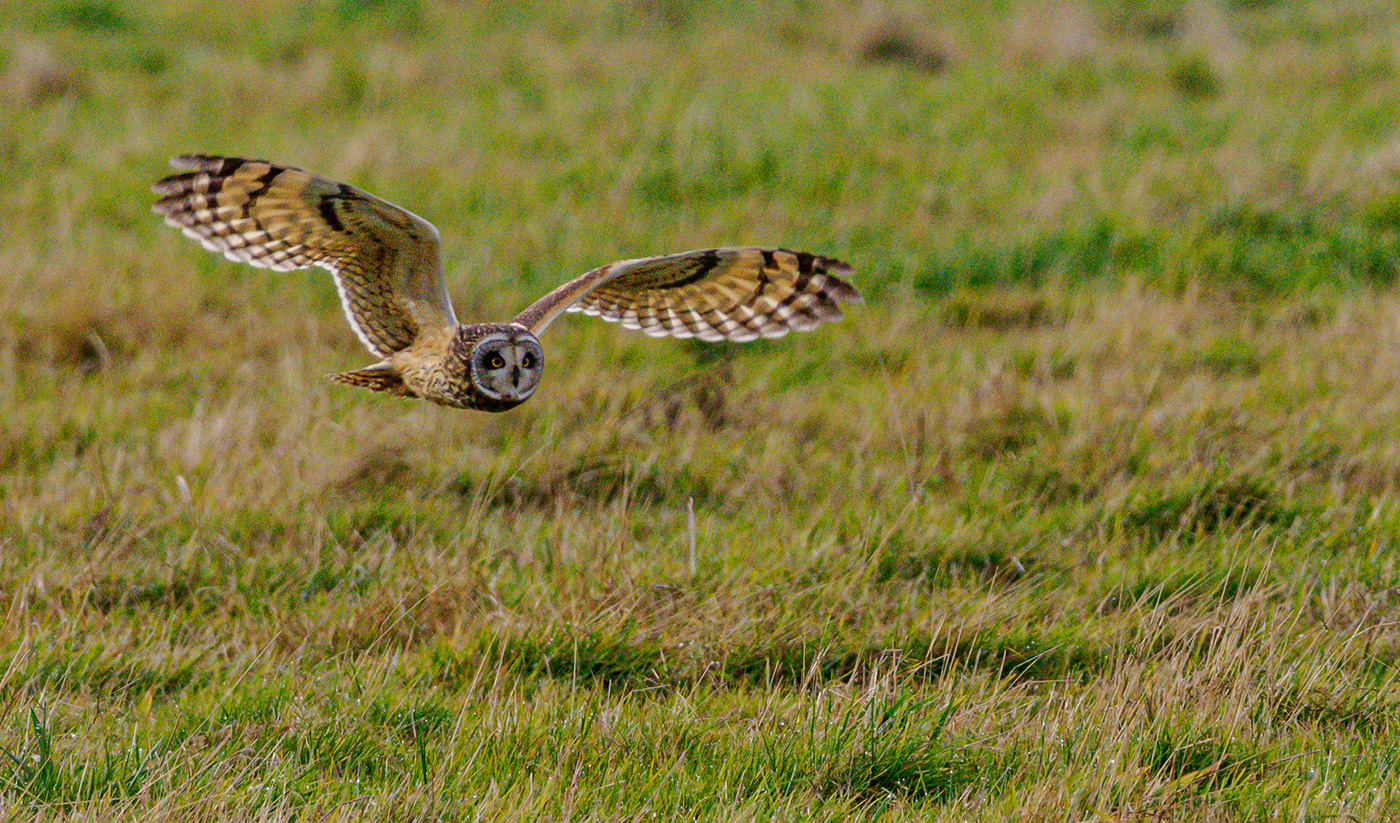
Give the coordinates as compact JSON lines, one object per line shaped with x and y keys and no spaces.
{"x":388,"y":271}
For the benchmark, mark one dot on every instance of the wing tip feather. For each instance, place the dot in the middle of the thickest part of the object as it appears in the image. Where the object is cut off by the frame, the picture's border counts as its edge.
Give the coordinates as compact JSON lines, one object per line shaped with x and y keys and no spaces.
{"x":842,"y":292}
{"x":836,"y":288}
{"x":196,"y":161}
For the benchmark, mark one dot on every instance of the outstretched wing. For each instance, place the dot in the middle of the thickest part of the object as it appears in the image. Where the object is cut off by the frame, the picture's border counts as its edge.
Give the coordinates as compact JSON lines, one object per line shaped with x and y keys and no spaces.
{"x":384,"y":260}
{"x":736,"y":294}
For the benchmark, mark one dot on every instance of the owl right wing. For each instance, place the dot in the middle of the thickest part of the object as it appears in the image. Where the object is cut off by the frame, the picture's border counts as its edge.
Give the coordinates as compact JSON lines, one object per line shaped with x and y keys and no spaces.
{"x":384,"y":259}
{"x":736,"y":294}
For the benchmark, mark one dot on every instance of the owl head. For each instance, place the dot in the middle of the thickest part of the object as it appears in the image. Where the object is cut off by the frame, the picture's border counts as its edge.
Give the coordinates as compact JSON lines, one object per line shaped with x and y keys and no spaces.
{"x":502,"y":362}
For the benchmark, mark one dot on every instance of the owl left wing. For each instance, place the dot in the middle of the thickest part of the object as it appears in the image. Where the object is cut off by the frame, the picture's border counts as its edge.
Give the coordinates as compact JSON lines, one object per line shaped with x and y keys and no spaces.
{"x":384,"y":259}
{"x":736,"y":294}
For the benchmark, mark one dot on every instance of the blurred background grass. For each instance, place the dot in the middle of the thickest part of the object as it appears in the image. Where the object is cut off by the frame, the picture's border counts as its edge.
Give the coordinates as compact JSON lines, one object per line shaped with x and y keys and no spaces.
{"x":1089,"y":511}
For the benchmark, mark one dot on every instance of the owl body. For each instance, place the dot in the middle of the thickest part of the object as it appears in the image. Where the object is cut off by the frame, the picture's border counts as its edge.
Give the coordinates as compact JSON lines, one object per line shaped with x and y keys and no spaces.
{"x":386,"y":265}
{"x":483,"y":366}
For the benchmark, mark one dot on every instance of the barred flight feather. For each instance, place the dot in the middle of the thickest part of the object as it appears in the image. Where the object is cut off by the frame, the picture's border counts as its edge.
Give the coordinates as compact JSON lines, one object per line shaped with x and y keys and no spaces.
{"x":384,"y":259}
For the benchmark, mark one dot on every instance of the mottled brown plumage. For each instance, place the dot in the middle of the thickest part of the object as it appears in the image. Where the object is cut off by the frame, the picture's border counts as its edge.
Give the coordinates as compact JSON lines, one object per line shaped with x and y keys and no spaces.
{"x":387,"y":267}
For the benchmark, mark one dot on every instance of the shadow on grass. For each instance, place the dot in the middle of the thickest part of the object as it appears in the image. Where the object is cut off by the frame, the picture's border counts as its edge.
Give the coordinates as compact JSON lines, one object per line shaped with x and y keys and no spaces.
{"x":89,"y":672}
{"x":640,"y":663}
{"x":1212,"y":506}
{"x":988,"y":564}
{"x":1201,"y":765}
{"x":894,"y":747}
{"x":212,"y":589}
{"x":594,"y":484}
{"x":1009,"y":431}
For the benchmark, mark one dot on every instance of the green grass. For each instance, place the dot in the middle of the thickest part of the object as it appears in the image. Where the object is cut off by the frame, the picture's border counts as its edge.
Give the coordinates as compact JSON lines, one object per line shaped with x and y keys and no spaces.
{"x":1090,"y":512}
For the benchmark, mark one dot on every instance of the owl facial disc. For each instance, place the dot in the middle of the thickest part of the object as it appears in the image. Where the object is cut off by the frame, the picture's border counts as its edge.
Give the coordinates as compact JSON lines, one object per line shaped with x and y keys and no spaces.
{"x":507,"y":365}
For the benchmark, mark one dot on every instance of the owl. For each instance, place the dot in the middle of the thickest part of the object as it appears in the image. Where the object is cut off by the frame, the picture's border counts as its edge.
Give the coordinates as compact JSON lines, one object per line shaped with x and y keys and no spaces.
{"x":388,"y":270}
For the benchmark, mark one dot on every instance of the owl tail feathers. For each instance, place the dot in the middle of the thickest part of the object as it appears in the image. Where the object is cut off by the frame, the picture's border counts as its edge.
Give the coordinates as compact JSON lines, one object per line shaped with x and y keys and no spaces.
{"x":379,"y":377}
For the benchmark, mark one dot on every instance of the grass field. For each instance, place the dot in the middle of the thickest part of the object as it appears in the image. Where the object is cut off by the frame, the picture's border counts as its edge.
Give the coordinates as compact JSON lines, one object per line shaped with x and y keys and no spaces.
{"x":1091,"y":512}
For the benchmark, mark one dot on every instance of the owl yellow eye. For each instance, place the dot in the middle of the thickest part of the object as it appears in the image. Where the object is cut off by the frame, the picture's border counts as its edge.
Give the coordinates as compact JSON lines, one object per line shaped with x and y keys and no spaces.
{"x":496,"y":361}
{"x":527,"y":362}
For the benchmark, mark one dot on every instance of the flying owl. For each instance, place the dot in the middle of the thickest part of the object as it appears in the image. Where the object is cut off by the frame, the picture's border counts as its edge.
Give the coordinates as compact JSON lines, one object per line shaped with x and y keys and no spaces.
{"x":388,"y":270}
